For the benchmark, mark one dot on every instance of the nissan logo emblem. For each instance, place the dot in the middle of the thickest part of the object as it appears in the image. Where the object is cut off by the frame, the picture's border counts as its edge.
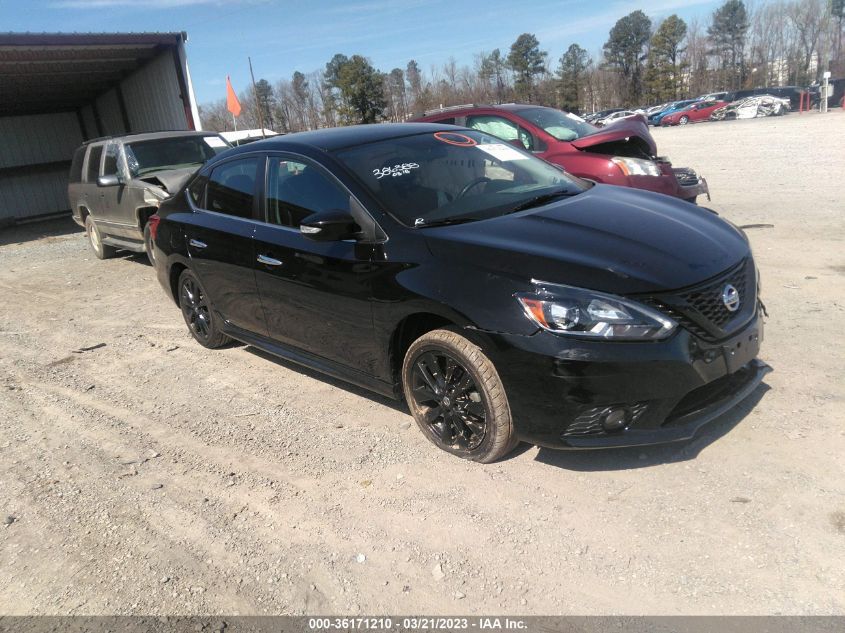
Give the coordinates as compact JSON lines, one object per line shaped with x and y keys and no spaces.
{"x":730,"y":297}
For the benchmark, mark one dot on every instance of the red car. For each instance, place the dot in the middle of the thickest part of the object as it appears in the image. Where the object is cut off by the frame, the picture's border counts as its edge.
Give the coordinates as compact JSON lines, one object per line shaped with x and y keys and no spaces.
{"x":622,"y":153}
{"x":693,"y":113}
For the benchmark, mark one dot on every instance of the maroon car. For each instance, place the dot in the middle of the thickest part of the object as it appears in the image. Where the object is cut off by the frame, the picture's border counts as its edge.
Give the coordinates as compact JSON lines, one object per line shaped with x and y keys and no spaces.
{"x":693,"y":113}
{"x":622,"y":153}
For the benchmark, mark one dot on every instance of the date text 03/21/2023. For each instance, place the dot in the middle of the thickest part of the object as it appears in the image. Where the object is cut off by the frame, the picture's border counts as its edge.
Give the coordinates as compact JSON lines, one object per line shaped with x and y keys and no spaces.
{"x":417,"y":623}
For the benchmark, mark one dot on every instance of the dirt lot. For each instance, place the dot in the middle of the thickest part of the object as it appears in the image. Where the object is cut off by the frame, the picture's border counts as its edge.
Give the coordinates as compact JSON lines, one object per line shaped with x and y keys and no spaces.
{"x":152,"y":476}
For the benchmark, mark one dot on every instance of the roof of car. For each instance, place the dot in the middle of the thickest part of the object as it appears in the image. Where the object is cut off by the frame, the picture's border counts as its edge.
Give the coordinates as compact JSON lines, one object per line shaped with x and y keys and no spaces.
{"x":510,"y":107}
{"x":149,"y":136}
{"x":329,"y":139}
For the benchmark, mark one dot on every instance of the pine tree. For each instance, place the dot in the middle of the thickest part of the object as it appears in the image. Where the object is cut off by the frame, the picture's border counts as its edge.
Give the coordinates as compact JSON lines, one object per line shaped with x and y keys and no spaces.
{"x":526,"y":60}
{"x":727,"y":34}
{"x":624,"y":50}
{"x":663,"y":68}
{"x":572,"y":76}
{"x":362,"y":90}
{"x":265,"y":100}
{"x":492,"y":71}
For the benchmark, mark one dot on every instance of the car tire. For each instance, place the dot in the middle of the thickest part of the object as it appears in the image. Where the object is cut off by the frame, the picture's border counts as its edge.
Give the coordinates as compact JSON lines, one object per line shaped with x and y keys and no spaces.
{"x":683,"y":120}
{"x":457,"y":398}
{"x":95,"y":240}
{"x":149,"y":247}
{"x":198,"y":312}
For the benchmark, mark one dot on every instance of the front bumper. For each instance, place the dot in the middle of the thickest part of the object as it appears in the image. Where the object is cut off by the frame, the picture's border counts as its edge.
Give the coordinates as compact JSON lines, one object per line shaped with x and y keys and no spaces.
{"x":560,"y":389}
{"x":690,"y":184}
{"x":681,"y":183}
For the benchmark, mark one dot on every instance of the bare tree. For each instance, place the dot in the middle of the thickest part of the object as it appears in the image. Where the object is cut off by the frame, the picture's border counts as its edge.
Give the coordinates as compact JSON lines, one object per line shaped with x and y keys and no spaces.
{"x":744,"y":43}
{"x":214,"y":116}
{"x":809,"y":18}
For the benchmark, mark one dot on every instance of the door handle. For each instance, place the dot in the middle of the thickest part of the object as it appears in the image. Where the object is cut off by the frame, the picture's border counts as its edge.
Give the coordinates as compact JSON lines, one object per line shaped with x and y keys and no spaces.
{"x":197,"y":243}
{"x":269,"y":261}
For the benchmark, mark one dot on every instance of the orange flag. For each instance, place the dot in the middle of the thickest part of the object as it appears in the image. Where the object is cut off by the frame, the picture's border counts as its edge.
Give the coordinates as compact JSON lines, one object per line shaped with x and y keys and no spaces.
{"x":232,"y":103}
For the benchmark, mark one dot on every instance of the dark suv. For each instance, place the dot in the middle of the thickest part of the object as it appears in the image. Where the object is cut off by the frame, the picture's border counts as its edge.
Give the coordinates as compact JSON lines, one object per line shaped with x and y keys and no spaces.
{"x":503,"y":298}
{"x":116,"y":183}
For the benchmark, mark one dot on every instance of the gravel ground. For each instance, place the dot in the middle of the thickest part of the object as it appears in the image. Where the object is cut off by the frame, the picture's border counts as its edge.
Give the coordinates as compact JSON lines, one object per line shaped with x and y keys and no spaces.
{"x":152,"y":476}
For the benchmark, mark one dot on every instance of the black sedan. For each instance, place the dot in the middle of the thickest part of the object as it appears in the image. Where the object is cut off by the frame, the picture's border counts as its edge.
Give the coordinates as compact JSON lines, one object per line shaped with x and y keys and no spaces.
{"x":503,"y":298}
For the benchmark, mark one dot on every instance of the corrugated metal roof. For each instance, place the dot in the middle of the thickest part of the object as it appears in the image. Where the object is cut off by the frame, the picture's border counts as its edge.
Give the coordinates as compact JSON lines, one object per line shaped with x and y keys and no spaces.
{"x":49,"y":72}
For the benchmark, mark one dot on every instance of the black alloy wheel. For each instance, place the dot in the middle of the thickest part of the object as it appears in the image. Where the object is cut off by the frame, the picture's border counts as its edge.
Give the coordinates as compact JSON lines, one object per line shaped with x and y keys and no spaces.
{"x":452,"y":403}
{"x":195,"y":308}
{"x":457,"y":397}
{"x":198,"y":312}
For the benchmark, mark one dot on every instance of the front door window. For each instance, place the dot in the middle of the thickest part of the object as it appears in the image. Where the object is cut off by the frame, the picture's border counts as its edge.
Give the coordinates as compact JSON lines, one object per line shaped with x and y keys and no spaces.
{"x":297,"y":189}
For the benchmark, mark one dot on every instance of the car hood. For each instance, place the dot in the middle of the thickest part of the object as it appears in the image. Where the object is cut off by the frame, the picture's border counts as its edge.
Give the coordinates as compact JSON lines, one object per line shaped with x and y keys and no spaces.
{"x":621,"y":130}
{"x":171,"y":180}
{"x":612,"y":239}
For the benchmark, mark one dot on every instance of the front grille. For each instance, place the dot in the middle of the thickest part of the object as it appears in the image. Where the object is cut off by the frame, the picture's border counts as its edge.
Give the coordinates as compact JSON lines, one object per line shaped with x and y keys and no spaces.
{"x":588,"y":422}
{"x":702,"y":311}
{"x":686,"y":176}
{"x":707,"y":300}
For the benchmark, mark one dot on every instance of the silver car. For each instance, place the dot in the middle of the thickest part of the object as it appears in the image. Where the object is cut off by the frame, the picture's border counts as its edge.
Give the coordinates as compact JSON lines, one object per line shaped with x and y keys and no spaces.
{"x":116,"y":183}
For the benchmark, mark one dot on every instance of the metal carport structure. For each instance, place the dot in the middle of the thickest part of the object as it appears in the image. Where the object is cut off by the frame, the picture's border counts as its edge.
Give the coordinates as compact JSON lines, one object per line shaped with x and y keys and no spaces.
{"x":60,"y":89}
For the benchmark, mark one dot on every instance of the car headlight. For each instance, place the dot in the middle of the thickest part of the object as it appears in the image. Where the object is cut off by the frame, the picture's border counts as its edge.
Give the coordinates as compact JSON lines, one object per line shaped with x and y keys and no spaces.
{"x":636,"y":166}
{"x":589,"y":314}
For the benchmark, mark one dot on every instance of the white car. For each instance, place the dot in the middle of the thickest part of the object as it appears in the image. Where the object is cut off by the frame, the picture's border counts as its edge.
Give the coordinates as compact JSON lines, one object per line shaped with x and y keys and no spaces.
{"x":713,"y":96}
{"x":752,"y":107}
{"x":657,"y":108}
{"x":615,"y":117}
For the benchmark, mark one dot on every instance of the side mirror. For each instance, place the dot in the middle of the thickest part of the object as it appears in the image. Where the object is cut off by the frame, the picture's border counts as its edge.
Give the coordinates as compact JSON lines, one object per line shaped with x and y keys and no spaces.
{"x":112,"y":180}
{"x":329,"y":226}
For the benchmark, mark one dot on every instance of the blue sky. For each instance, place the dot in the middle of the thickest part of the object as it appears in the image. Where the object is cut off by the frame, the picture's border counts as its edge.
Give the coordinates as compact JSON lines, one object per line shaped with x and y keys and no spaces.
{"x":284,"y":35}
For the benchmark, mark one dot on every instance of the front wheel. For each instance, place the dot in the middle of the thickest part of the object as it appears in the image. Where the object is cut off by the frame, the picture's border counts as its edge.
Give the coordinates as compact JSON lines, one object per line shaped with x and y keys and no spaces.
{"x":684,"y":120}
{"x":457,"y":398}
{"x":149,"y":247}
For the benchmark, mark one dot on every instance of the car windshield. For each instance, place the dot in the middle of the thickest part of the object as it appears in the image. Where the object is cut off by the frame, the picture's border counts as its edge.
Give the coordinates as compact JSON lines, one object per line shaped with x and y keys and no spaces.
{"x":174,"y":152}
{"x":564,"y":127}
{"x":449,"y":177}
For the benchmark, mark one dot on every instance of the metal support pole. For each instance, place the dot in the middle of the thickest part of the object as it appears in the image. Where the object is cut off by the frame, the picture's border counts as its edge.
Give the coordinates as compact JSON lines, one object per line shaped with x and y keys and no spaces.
{"x":255,"y":94}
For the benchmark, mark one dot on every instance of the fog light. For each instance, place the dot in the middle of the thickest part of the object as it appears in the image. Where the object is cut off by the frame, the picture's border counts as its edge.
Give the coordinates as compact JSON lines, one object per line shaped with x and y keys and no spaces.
{"x":615,"y":419}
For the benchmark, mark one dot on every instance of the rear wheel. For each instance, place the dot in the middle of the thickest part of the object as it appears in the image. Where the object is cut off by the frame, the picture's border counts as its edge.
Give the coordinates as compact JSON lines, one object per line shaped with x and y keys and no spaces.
{"x":198,"y":313}
{"x":95,"y":240}
{"x":457,"y":398}
{"x":684,"y":120}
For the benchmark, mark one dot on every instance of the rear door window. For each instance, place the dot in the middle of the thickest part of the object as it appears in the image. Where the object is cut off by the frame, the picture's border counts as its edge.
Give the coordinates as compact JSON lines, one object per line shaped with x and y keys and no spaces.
{"x":231,"y":187}
{"x":76,"y":165}
{"x":93,"y":169}
{"x":504,"y":129}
